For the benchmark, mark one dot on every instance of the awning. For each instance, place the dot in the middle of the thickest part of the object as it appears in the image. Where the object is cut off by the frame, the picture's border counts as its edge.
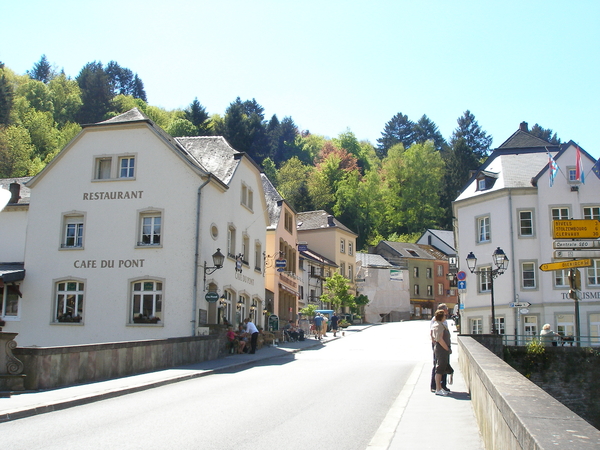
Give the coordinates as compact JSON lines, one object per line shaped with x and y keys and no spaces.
{"x":290,"y":290}
{"x":11,"y":272}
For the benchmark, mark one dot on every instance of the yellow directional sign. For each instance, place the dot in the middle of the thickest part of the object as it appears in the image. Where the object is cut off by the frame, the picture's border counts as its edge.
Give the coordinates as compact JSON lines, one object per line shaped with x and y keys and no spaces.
{"x":576,"y":229}
{"x":566,"y":264}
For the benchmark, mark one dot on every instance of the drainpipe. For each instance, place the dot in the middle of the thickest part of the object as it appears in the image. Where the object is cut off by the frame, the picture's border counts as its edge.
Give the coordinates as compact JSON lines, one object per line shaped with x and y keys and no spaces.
{"x":514,"y":272}
{"x":197,"y":256}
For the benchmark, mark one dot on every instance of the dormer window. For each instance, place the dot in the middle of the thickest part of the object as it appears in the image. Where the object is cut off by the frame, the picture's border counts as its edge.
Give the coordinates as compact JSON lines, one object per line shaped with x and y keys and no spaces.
{"x":486,"y":180}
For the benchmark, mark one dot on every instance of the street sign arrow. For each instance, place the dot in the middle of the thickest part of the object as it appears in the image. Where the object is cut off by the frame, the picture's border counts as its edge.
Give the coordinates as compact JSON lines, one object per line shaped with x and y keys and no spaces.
{"x":577,"y":253}
{"x":566,"y":265}
{"x":576,"y":229}
{"x":583,"y":244}
{"x":519,"y":305}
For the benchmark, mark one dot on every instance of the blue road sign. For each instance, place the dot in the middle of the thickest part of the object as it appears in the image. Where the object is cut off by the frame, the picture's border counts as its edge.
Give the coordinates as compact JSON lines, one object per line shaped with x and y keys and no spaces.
{"x":462,"y":284}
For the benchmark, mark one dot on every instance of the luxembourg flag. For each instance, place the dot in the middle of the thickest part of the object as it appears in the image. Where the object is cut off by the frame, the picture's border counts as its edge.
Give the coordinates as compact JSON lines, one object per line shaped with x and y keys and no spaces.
{"x":553,"y":168}
{"x":579,"y":175}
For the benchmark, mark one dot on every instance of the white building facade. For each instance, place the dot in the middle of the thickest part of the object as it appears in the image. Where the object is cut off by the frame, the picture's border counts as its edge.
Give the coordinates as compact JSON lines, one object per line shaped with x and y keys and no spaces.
{"x":121,"y":226}
{"x":509,"y":204}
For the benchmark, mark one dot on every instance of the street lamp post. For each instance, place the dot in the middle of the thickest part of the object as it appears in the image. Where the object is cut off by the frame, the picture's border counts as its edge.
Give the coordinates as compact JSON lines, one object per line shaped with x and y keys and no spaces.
{"x":501,"y":262}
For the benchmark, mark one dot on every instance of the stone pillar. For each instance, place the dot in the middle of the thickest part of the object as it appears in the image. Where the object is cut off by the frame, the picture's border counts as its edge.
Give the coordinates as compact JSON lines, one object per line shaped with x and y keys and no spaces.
{"x":11,"y":369}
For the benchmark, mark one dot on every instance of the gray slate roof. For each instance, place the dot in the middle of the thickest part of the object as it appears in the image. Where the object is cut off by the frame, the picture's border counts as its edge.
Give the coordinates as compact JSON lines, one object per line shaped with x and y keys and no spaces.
{"x":372,"y":260}
{"x":315,"y":220}
{"x":317,"y":257}
{"x":274,"y":201}
{"x":524,"y":139}
{"x":404,"y":249}
{"x":213,"y":153}
{"x":25,"y":191}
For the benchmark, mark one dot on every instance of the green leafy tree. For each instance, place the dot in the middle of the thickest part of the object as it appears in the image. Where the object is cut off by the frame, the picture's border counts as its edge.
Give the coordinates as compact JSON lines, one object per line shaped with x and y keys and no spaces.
{"x":6,"y":96}
{"x":38,"y":95}
{"x":399,"y":130}
{"x":16,"y":152}
{"x":270,"y":171}
{"x":66,"y":99}
{"x":181,"y":127}
{"x":292,"y":183}
{"x":337,"y":293}
{"x":412,"y":188}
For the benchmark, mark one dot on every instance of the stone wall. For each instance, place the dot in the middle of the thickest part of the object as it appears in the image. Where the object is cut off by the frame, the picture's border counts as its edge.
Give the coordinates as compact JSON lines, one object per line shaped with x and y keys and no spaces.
{"x":569,"y":374}
{"x":53,"y":367}
{"x":514,"y":413}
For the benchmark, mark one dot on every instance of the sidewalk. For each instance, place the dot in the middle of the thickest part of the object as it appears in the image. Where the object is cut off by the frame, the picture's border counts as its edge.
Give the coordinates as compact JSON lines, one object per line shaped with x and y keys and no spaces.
{"x":20,"y":405}
{"x":417,"y":420}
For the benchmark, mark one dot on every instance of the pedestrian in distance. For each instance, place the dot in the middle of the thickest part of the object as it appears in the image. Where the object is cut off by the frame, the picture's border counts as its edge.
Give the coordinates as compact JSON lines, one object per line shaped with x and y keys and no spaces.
{"x":318,"y":322}
{"x":441,"y":335}
{"x":548,"y":337}
{"x":324,"y":325}
{"x":253,"y":332}
{"x":334,"y":324}
{"x":444,"y":308}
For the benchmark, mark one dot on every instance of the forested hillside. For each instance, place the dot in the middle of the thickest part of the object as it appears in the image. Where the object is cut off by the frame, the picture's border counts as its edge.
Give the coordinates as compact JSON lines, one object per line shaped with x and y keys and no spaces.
{"x":393,"y":190}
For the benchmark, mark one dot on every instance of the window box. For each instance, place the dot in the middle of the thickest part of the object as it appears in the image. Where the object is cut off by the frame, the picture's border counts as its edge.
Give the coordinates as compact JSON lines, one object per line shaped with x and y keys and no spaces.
{"x":69,"y":318}
{"x":146,"y":319}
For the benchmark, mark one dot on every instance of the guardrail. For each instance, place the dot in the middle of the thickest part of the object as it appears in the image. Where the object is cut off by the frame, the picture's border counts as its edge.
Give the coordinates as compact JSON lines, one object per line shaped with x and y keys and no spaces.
{"x":563,"y":341}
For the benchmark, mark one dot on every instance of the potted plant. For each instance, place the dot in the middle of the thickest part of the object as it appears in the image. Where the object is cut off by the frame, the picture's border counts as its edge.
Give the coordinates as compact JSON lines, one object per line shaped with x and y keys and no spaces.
{"x":140,"y":318}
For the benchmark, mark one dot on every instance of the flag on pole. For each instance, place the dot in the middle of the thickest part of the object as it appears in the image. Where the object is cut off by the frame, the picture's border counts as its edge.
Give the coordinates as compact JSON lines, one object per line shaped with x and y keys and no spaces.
{"x":579,"y":175}
{"x":553,"y":168}
{"x":596,"y":168}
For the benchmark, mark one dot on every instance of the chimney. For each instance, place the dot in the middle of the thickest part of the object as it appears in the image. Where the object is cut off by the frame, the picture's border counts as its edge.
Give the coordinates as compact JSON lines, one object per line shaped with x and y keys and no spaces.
{"x":15,"y":190}
{"x":330,"y":222}
{"x":524,"y":127}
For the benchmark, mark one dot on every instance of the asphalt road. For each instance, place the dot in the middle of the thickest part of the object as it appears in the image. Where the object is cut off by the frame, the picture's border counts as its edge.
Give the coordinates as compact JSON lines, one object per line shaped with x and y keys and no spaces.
{"x":335,"y":396}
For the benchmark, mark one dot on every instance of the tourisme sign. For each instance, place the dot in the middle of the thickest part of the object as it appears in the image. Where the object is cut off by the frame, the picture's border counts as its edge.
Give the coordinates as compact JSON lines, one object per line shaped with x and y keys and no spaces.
{"x":566,"y":265}
{"x":576,"y":229}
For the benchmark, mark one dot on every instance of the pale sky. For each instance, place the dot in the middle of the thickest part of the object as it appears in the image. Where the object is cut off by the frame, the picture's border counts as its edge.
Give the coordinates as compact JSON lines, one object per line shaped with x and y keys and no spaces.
{"x":335,"y":65}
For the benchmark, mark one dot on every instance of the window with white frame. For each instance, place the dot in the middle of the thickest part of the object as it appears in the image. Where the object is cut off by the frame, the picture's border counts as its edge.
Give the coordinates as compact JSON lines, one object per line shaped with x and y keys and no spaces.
{"x":440,"y":270}
{"x":429,"y":290}
{"x":9,"y":301}
{"x":247,"y":196}
{"x":528,"y":271}
{"x":428,"y":272}
{"x":246,"y":249}
{"x":69,"y":301}
{"x":565,"y":324}
{"x":561,"y":278}
{"x":127,"y":167}
{"x":342,"y":246}
{"x":343,"y":269}
{"x":73,"y":225}
{"x":226,"y":309}
{"x":150,"y":228}
{"x":241,"y":307}
{"x":560,"y":213}
{"x":350,"y":248}
{"x":530,"y":326}
{"x":231,"y":241}
{"x":258,"y":258}
{"x":103,"y":168}
{"x":476,"y":325}
{"x":416,"y":272}
{"x":146,"y":301}
{"x":572,"y":174}
{"x":288,"y":221}
{"x":595,"y":329}
{"x":526,"y":223}
{"x":485,"y":279}
{"x":483,"y":229}
{"x":500,"y":329}
{"x":593,"y":273}
{"x":591,"y":212}
{"x":440,"y":289}
{"x":416,"y":289}
{"x":350,"y":272}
